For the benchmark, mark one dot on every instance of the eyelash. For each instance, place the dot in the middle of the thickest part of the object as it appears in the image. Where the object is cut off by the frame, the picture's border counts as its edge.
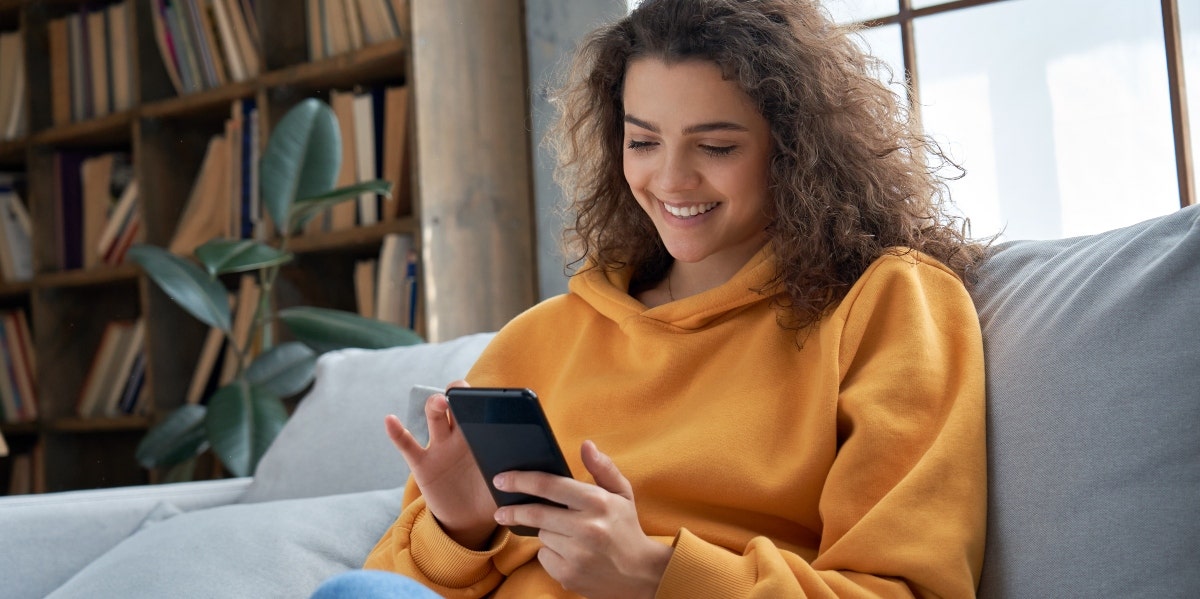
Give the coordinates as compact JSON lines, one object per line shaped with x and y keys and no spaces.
{"x":715,"y":151}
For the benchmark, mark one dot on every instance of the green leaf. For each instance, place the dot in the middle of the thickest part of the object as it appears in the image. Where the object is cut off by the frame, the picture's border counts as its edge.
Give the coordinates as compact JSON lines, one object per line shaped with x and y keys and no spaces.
{"x":242,"y":422}
{"x":220,"y":256}
{"x":184,"y":282}
{"x":284,"y":370}
{"x":326,"y":330}
{"x":302,"y":158}
{"x":178,"y":438}
{"x":306,"y":208}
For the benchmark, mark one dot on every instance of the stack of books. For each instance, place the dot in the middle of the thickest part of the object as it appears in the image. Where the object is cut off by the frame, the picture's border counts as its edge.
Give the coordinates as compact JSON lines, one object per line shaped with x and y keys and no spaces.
{"x":206,"y":43}
{"x":339,"y":26}
{"x":91,"y":62}
{"x":18,"y":393}
{"x":95,"y":205}
{"x":115,"y":382}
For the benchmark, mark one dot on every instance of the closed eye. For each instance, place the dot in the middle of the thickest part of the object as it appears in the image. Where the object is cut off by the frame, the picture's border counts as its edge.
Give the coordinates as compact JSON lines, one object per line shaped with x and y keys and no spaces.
{"x":640,"y":146}
{"x":718,"y":151}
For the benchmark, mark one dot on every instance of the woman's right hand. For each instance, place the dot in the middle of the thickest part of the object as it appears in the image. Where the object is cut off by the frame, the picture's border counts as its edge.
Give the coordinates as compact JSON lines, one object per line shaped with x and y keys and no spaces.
{"x":447,"y":475}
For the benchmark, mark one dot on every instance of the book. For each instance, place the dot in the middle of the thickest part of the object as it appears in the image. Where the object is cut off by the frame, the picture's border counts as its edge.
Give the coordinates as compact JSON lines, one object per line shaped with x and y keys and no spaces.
{"x":353,"y":24}
{"x":391,"y":297}
{"x":206,"y":365}
{"x":395,"y":152}
{"x":206,"y":214}
{"x":10,"y":398}
{"x":60,"y":70}
{"x":314,"y":16}
{"x":245,"y":40}
{"x":128,"y":403}
{"x":16,"y":122}
{"x":97,"y":62}
{"x":10,"y":59}
{"x":120,"y":55}
{"x":68,"y":203}
{"x":344,"y":215}
{"x":248,"y":296}
{"x":229,"y":45}
{"x":118,"y":219}
{"x":16,"y":249}
{"x":364,"y":287}
{"x":95,"y":175}
{"x":133,"y":343}
{"x":102,"y":373}
{"x":364,"y":151}
{"x":337,"y":31}
{"x":22,"y":371}
{"x":207,"y":36}
{"x":166,"y":45}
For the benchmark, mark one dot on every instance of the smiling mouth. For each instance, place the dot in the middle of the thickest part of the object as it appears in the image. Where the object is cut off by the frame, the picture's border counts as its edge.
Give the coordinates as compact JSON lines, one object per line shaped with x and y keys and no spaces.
{"x":689,"y":211}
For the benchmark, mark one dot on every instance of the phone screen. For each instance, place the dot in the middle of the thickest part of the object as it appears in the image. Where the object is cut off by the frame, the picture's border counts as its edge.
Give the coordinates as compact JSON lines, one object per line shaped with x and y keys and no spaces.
{"x":507,"y":430}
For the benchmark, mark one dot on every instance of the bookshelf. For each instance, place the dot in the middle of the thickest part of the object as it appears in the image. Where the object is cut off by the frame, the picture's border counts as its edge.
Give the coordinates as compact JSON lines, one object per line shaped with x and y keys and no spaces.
{"x":469,"y":203}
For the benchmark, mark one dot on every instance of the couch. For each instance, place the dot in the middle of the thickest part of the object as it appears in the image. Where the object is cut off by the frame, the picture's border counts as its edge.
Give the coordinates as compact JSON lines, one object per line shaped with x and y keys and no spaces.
{"x":1093,"y":366}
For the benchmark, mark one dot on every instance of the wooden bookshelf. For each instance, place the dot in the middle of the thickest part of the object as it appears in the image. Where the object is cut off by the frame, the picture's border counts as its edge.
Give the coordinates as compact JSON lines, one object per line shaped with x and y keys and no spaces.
{"x":167,"y":133}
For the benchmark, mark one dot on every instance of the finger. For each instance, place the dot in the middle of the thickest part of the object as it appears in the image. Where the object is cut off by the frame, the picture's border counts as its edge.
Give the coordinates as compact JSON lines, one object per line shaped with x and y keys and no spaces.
{"x":547,"y":518}
{"x":404,"y":440}
{"x":605,"y":471}
{"x":559,"y":489}
{"x":458,"y":383}
{"x":437,"y":414}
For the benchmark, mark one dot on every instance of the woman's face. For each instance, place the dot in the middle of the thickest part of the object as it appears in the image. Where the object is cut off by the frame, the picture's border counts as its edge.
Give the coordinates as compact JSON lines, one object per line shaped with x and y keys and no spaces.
{"x":697,"y":159}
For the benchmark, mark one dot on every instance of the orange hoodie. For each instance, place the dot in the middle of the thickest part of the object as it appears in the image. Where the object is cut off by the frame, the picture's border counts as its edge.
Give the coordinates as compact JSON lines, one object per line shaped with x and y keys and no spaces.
{"x":852,"y":466}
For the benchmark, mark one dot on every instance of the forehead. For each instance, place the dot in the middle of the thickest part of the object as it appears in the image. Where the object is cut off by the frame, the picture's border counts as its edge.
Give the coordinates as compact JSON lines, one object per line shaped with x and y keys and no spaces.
{"x":683,"y":92}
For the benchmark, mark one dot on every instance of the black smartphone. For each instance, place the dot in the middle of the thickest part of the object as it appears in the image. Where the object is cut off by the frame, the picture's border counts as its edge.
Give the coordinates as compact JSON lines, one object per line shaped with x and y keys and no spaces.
{"x":506,"y":429}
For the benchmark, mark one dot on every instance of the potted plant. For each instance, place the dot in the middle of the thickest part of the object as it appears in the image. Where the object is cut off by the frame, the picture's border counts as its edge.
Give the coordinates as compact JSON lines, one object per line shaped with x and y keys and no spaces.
{"x":241,"y":419}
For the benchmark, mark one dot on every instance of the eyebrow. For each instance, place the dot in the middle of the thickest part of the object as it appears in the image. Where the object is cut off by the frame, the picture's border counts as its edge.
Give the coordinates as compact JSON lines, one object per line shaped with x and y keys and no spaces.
{"x":700,"y":128}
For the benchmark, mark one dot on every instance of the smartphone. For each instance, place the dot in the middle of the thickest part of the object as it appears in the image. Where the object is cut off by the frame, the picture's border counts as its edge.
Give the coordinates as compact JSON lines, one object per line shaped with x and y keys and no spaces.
{"x":506,"y":429}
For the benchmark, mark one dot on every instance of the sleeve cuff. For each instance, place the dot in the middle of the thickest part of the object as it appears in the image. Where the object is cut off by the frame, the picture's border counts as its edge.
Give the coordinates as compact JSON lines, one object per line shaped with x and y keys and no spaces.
{"x":443,"y":561}
{"x":701,"y":569}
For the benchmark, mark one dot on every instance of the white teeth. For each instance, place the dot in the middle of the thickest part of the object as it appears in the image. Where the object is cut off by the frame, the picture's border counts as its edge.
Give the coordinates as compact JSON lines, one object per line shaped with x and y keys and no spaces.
{"x":689,"y":211}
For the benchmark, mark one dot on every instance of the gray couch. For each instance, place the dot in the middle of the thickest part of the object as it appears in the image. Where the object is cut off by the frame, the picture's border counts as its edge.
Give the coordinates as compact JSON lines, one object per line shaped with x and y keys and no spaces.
{"x":1093,"y":357}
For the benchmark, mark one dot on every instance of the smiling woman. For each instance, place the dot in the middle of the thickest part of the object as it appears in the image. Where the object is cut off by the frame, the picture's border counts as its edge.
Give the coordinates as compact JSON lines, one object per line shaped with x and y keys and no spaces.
{"x":767,"y":375}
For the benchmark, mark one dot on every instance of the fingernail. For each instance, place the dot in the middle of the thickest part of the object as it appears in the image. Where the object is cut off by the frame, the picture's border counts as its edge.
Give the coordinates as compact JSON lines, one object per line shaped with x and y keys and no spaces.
{"x":502,"y":516}
{"x":500,"y":481}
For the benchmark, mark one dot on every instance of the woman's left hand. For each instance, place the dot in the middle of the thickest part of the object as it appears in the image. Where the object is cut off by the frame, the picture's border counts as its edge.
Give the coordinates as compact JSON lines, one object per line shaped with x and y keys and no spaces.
{"x":595,"y":546}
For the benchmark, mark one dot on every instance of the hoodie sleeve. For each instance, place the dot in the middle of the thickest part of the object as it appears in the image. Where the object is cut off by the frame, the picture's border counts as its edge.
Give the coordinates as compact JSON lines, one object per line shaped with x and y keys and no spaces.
{"x":903,"y":507}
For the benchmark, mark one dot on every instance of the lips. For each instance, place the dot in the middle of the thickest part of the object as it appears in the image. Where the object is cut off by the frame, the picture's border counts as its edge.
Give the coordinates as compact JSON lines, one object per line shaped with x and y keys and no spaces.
{"x":690,"y":210}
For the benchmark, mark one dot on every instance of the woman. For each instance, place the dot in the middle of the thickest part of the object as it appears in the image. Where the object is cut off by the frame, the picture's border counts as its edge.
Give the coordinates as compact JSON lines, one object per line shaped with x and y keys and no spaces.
{"x":768,"y":358}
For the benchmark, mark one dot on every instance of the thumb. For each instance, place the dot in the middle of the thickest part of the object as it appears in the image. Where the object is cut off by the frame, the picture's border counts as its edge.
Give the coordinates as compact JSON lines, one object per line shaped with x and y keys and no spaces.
{"x":605,"y":471}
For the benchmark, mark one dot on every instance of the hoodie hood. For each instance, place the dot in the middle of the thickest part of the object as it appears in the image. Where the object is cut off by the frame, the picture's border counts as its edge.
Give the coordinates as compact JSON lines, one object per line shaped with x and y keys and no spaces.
{"x":608,"y":293}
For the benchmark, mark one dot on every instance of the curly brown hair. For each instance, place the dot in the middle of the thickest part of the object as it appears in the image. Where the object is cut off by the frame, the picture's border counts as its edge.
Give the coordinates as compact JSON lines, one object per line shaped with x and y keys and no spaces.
{"x":851,"y":175}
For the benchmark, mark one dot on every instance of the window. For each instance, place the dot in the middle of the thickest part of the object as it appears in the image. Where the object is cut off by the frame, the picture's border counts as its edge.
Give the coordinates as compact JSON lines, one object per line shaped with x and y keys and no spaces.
{"x":1065,"y":125}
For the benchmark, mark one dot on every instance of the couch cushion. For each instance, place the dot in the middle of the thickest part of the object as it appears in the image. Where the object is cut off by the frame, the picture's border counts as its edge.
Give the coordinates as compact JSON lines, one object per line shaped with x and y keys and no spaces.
{"x":33,"y":527}
{"x":335,"y":442}
{"x":276,"y":549}
{"x":1093,"y":365}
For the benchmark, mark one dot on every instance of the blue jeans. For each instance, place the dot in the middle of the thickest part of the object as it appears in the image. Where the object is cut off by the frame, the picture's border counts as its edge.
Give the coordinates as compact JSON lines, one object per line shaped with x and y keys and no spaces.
{"x":370,"y":584}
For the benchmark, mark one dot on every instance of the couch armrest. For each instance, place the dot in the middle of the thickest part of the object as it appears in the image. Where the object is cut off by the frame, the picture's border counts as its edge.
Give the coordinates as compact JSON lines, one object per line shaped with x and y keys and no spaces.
{"x":48,"y":538}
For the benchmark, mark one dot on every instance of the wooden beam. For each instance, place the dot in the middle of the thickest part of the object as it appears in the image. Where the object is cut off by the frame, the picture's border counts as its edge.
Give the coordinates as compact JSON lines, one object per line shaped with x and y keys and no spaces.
{"x":473,"y":175}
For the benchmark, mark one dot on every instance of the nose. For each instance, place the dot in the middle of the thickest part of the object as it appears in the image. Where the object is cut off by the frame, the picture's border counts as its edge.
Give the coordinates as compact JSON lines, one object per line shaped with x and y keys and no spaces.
{"x":676,"y":173}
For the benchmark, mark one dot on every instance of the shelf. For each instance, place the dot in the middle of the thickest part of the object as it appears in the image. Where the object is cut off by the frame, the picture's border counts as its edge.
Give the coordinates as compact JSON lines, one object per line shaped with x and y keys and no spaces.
{"x":15,"y":289}
{"x":12,"y":429}
{"x":99,"y":425}
{"x":13,"y":151}
{"x":100,"y":131}
{"x":385,"y":60}
{"x":348,"y":238}
{"x":217,"y":98}
{"x":84,"y":278}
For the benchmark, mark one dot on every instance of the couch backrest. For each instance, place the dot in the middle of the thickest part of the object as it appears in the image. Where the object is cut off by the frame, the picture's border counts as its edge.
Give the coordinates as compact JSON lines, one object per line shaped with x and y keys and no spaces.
{"x":1093,"y":375}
